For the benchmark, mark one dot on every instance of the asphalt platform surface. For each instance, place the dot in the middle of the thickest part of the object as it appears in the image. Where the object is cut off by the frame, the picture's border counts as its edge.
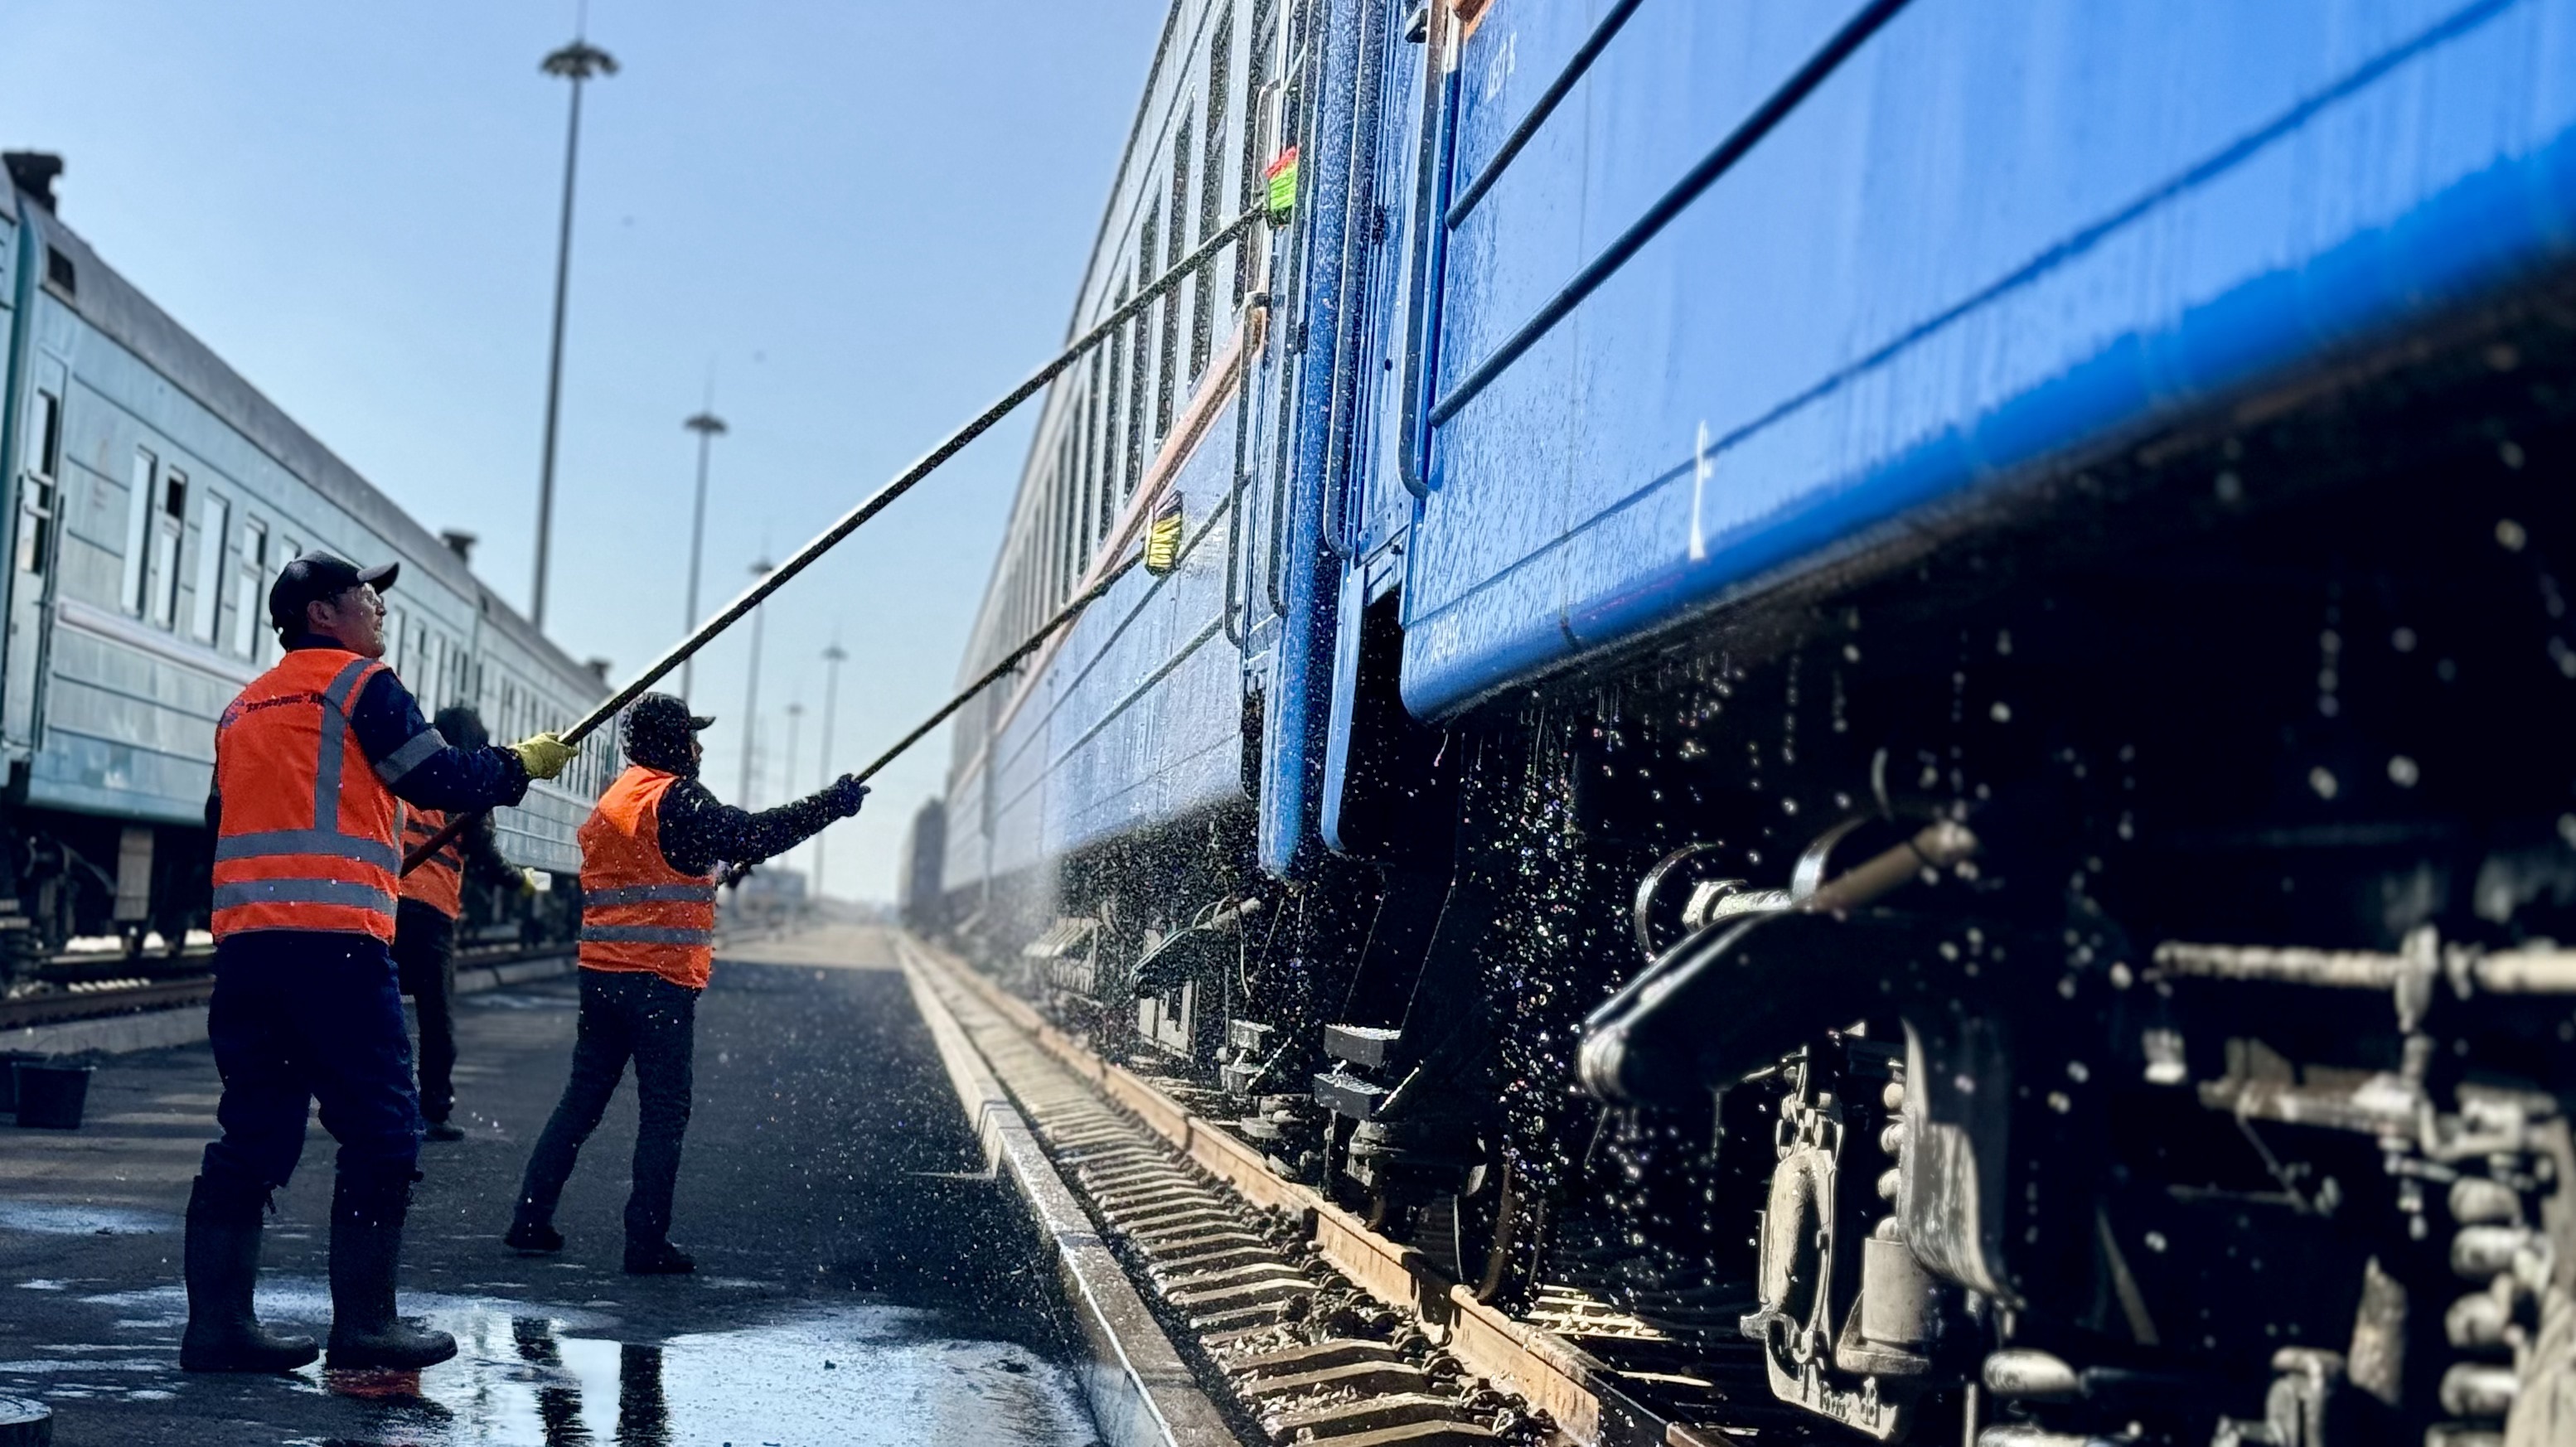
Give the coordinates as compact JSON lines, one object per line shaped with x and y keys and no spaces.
{"x":860,"y":1280}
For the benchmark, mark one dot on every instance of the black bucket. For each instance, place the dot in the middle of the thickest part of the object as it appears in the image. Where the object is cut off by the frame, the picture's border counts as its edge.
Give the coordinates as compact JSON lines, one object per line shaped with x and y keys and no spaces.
{"x":24,"y":1423}
{"x":9,"y":1075}
{"x":50,"y":1097}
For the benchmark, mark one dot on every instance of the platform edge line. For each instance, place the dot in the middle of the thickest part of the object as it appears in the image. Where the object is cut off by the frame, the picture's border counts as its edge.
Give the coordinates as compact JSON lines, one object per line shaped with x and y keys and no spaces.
{"x":1142,"y":1393}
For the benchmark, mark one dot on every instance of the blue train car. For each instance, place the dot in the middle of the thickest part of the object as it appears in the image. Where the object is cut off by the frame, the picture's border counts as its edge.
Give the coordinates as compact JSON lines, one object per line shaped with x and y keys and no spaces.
{"x":1883,"y":688}
{"x":156,"y":492}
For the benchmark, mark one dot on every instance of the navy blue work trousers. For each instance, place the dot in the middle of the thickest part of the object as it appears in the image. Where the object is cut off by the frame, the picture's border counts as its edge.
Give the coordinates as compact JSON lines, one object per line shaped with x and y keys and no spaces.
{"x":625,"y":1015}
{"x":300,"y":1016}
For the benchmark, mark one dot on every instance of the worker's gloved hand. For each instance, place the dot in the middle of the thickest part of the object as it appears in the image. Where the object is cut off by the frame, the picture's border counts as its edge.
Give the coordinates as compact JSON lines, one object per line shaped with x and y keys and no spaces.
{"x":844,"y":795}
{"x":544,"y":754}
{"x":527,"y":883}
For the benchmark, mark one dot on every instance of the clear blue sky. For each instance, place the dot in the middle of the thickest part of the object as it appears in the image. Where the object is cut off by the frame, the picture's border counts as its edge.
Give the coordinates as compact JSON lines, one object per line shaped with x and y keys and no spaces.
{"x":868,"y":216}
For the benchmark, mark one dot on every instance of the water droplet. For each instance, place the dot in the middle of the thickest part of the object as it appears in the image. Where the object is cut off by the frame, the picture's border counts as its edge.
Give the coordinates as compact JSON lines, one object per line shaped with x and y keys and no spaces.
{"x":2510,"y":454}
{"x":2510,"y":535}
{"x":2403,"y":640}
{"x":2156,"y":1241}
{"x":2231,"y":488}
{"x":2323,"y":781}
{"x":2078,"y":1071}
{"x":2402,"y":771}
{"x":2001,"y":712}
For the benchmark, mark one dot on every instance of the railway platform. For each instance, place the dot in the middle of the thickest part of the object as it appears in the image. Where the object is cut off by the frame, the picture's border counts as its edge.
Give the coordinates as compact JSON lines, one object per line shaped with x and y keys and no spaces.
{"x":864,"y":1274}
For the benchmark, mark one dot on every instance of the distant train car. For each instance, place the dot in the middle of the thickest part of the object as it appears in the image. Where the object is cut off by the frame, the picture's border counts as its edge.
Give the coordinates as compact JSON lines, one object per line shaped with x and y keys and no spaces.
{"x":1885,"y":688}
{"x":157,"y":493}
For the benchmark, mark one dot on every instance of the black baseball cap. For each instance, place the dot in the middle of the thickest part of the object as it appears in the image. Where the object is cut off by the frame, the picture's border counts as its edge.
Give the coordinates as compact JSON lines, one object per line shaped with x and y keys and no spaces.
{"x":665,"y":711}
{"x":317,"y":577}
{"x":656,"y":732}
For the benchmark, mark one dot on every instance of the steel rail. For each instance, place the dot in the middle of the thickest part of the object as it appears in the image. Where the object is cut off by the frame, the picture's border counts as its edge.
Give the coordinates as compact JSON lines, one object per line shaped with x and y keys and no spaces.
{"x":877,"y":502}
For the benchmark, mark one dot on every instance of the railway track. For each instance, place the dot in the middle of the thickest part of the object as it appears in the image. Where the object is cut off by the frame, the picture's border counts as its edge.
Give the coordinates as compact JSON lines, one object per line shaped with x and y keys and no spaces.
{"x":85,"y":987}
{"x":1313,"y":1328}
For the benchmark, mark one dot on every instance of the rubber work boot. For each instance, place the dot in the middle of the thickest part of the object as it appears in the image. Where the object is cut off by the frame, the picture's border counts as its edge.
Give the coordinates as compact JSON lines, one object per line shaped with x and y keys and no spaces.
{"x":222,"y":1265}
{"x":367,"y":1213}
{"x":658,"y":1258}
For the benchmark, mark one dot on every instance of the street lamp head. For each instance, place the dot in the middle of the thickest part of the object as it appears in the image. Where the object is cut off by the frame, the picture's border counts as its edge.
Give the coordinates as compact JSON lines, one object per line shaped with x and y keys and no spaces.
{"x":706,"y":422}
{"x":763,"y":568}
{"x":835,"y":654}
{"x":580,"y":61}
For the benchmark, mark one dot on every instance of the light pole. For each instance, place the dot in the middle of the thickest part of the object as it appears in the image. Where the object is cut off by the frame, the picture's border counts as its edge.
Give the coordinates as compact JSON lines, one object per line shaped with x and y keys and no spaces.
{"x":751,"y":693}
{"x":709,"y":427}
{"x":832,"y":659}
{"x":787,"y":769}
{"x":576,"y":62}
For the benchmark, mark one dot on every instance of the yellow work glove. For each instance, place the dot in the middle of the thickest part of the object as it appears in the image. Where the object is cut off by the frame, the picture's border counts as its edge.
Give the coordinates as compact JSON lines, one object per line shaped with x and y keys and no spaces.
{"x":544,"y":754}
{"x":528,"y":883}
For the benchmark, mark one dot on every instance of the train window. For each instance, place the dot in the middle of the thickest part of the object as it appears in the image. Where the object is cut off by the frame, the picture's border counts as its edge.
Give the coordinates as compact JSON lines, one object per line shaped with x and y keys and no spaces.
{"x":1175,"y":246}
{"x":47,"y":436}
{"x":250,"y":576}
{"x":210,"y":568}
{"x":138,"y":526}
{"x":1211,"y":188}
{"x":36,"y":527}
{"x":1248,"y":160}
{"x":1134,"y":432}
{"x":1089,"y":422}
{"x":168,"y":526}
{"x":1109,"y":424}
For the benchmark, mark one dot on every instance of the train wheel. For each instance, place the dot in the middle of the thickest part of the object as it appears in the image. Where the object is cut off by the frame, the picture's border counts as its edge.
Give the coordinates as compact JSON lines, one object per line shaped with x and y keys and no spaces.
{"x":1498,"y":1227}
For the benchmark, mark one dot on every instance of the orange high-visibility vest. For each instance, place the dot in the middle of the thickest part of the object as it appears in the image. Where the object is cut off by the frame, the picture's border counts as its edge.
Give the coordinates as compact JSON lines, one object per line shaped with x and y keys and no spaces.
{"x":308,"y":826}
{"x":440,"y":880}
{"x":637,"y":912}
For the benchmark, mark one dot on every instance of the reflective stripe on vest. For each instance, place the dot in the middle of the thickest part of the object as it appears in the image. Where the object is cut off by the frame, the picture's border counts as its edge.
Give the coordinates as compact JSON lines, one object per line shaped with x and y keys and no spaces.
{"x":440,"y":880}
{"x":637,"y":912}
{"x":308,"y":828}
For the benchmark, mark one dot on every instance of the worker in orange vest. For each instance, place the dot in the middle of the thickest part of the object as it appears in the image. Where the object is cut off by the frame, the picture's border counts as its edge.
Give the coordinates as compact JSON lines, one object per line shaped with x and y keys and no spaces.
{"x":313,"y":763}
{"x":433,"y":897}
{"x":650,"y":856}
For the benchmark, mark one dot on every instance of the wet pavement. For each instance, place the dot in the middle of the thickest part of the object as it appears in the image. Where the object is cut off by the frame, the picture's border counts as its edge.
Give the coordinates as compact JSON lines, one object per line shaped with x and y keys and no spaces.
{"x":860,"y":1280}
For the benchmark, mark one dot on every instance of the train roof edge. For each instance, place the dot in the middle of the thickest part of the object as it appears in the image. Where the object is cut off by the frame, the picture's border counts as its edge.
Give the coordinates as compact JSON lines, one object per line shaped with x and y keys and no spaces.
{"x":103,"y":297}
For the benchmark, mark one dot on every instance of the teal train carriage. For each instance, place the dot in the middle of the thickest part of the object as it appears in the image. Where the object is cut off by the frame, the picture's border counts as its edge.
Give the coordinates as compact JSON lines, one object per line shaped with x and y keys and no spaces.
{"x":156,"y":493}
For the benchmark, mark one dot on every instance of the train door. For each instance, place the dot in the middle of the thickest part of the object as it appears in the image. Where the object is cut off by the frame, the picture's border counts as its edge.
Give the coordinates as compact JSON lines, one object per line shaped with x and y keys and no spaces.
{"x":1383,"y":795}
{"x":32,"y":560}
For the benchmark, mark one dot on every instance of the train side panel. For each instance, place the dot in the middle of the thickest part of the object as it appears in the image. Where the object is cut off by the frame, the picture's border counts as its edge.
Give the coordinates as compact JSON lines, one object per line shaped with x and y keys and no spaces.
{"x":1992,"y":235}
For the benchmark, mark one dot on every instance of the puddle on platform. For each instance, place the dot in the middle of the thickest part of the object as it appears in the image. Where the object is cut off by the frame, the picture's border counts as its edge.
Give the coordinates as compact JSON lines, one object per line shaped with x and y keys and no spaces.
{"x":553,"y":1377}
{"x":52,"y":1220}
